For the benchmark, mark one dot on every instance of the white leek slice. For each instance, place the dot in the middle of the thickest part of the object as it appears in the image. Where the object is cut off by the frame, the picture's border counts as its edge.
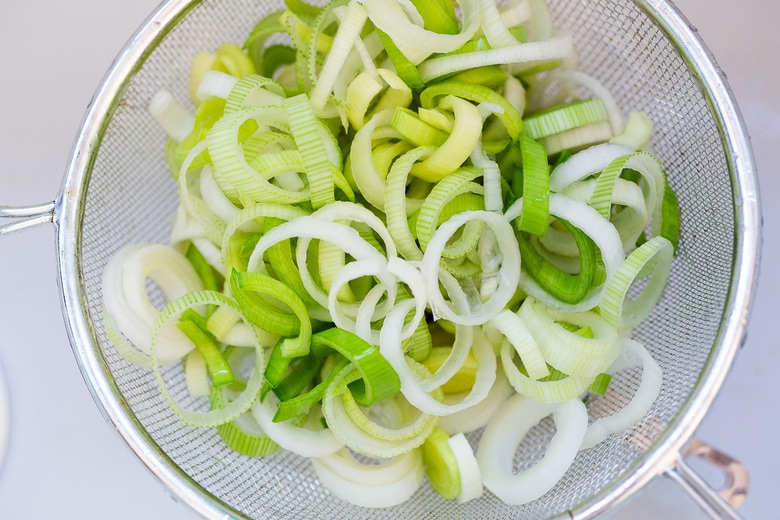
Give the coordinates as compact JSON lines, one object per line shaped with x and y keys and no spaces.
{"x":648,"y":166}
{"x":475,"y":417}
{"x":584,"y":164}
{"x":516,"y":13}
{"x":316,"y":146}
{"x":355,"y":213}
{"x":174,"y":119}
{"x":239,"y":181}
{"x":213,"y":196}
{"x":470,"y":475}
{"x":361,"y":92}
{"x":558,"y":47}
{"x":254,"y":90}
{"x":444,"y":191}
{"x":216,"y":84}
{"x":491,"y":178}
{"x":489,"y":261}
{"x":122,"y":346}
{"x":127,"y":302}
{"x":397,"y":93}
{"x":441,"y":466}
{"x":637,"y":131}
{"x":387,"y":484}
{"x":210,"y":252}
{"x":540,"y":25}
{"x":395,"y":202}
{"x":192,"y":201}
{"x":515,"y":94}
{"x":461,"y":346}
{"x":246,"y":220}
{"x":411,"y":386}
{"x":633,"y":354}
{"x":363,"y":61}
{"x":371,"y":93}
{"x":184,"y":227}
{"x":299,"y":440}
{"x":344,"y":315}
{"x":412,"y":278}
{"x":402,"y":30}
{"x":305,"y":229}
{"x":496,"y":452}
{"x":508,"y":274}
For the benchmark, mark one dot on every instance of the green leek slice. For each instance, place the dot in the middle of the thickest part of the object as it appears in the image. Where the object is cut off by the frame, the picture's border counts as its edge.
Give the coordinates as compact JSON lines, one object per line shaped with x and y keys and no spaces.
{"x":536,"y":187}
{"x":194,"y":326}
{"x":377,"y":379}
{"x":575,"y":114}
{"x":249,"y":287}
{"x":441,"y":466}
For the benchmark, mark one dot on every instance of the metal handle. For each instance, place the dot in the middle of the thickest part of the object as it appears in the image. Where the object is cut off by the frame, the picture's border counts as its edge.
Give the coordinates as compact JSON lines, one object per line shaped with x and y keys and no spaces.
{"x":26,"y":217}
{"x":718,"y":504}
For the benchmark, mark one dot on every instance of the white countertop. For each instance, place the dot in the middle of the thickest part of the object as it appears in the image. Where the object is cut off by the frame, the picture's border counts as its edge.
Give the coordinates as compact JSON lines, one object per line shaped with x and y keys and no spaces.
{"x":65,"y":462}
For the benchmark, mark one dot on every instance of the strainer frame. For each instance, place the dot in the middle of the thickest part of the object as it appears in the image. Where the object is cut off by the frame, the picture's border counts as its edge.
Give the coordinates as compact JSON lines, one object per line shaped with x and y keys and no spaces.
{"x":662,"y":457}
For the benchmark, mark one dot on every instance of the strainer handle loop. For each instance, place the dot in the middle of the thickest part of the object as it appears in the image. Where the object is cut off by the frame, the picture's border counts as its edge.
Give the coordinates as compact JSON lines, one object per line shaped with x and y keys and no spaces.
{"x":718,"y":504}
{"x":25,"y":217}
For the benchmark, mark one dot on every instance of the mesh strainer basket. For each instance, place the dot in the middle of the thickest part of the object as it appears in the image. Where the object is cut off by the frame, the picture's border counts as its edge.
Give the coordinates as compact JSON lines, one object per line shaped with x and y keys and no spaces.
{"x":117,"y":191}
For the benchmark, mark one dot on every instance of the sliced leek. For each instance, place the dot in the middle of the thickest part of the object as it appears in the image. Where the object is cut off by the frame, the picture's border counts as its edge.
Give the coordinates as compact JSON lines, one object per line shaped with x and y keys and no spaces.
{"x":400,"y":222}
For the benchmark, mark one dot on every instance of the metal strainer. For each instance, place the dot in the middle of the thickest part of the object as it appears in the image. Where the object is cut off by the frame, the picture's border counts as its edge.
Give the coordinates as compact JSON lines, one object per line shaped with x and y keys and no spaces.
{"x":117,"y":191}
